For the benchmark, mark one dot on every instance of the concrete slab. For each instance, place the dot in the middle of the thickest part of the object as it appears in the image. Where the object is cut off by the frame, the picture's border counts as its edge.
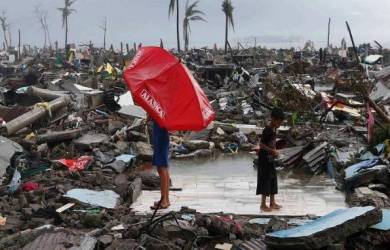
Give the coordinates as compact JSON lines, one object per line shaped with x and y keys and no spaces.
{"x":229,"y":185}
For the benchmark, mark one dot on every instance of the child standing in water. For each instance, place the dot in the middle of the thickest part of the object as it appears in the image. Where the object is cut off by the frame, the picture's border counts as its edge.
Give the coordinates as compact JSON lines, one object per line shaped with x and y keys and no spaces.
{"x":267,"y":182}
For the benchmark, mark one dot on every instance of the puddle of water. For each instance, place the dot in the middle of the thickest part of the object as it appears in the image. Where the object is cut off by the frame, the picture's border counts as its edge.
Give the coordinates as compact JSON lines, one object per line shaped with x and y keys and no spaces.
{"x":228,"y":184}
{"x":241,"y":165}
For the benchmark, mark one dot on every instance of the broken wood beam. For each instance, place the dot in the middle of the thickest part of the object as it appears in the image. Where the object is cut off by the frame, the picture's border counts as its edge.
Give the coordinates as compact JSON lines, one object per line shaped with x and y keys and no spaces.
{"x":35,"y":114}
{"x":355,"y":52}
{"x":378,"y":110}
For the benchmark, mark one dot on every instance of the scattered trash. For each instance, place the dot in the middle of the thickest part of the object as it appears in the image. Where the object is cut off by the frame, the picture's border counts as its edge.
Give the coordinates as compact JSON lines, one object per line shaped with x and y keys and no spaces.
{"x":15,"y":182}
{"x":224,"y":246}
{"x":65,"y":207}
{"x":3,"y":221}
{"x":106,"y":198}
{"x":119,"y":227}
{"x":30,"y":186}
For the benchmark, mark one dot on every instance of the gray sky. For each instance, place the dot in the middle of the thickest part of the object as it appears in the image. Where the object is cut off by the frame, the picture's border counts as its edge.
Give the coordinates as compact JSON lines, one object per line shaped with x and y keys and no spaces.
{"x":275,"y":22}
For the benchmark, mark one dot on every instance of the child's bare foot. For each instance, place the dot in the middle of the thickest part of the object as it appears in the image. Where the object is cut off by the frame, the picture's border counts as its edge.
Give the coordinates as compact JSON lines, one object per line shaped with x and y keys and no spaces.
{"x":264,"y":208}
{"x":163,"y":205}
{"x":275,"y":206}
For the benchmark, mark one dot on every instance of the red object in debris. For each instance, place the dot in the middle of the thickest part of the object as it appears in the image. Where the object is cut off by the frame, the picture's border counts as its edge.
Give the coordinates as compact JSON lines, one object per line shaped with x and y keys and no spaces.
{"x":237,"y":229}
{"x":78,"y":164}
{"x":166,"y":89}
{"x":30,"y":186}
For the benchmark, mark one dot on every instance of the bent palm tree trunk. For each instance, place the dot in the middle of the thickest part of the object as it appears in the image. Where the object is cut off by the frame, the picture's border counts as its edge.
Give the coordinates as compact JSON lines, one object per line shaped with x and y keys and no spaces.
{"x":177,"y":25}
{"x":66,"y":36}
{"x":226,"y":32}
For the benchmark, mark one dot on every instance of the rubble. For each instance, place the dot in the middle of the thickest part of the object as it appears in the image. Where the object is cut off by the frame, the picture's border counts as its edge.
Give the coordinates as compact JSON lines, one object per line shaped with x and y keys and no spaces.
{"x":79,"y":111}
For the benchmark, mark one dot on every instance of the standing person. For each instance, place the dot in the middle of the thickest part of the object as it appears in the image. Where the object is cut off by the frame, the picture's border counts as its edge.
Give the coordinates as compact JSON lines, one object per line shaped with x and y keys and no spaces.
{"x":267,"y":183}
{"x":160,"y":138}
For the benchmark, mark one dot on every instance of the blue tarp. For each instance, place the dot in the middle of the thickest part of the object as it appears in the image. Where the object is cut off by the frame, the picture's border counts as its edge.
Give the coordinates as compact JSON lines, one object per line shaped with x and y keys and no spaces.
{"x":384,"y":225}
{"x":331,"y":220}
{"x":353,"y":170}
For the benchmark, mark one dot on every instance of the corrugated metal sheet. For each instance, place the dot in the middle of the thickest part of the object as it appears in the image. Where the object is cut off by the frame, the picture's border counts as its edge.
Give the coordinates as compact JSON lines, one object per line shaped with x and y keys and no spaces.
{"x":253,"y":244}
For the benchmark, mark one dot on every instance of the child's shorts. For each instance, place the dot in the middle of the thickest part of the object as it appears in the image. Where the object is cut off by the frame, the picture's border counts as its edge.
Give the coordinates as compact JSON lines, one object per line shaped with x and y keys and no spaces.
{"x":160,"y":146}
{"x":267,"y":186}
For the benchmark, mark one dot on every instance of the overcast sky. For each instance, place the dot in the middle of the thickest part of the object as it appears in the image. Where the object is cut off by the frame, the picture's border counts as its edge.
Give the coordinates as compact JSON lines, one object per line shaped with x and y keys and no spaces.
{"x":275,"y":22}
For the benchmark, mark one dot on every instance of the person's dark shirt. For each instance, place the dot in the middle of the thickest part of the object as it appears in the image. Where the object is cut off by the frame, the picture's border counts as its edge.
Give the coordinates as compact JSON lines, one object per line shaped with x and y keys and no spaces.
{"x":268,"y":137}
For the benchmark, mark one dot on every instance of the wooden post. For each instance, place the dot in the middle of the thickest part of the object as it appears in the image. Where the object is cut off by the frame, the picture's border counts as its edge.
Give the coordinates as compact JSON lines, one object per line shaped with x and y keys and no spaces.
{"x":378,"y":110}
{"x":353,"y":44}
{"x":127,"y":48}
{"x":121,"y":48}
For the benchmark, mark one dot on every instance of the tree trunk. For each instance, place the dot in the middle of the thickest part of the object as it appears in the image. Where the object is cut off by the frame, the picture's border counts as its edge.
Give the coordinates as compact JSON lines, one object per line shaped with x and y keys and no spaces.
{"x":104,"y":41}
{"x":185,"y":34}
{"x":66,"y":36}
{"x":35,"y":114}
{"x":19,"y":56}
{"x":226,"y":32}
{"x":177,"y":25}
{"x":5,"y":39}
{"x":48,"y":34}
{"x":58,"y":136}
{"x":44,"y":44}
{"x":9,"y":37}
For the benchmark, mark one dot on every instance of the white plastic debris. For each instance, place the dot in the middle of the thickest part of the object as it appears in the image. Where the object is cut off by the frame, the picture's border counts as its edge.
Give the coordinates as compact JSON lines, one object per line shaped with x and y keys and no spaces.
{"x":106,"y":198}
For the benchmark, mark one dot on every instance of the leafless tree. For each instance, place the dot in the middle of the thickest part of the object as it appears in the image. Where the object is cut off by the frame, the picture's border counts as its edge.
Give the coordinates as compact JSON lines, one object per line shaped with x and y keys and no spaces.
{"x":41,"y":16}
{"x":5,"y":28}
{"x":9,"y":34}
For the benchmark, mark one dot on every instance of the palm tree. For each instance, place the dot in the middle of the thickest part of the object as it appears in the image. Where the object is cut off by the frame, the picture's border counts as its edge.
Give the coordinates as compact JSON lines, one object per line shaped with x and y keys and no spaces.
{"x":66,"y":12}
{"x":172,"y":5}
{"x":192,"y":14}
{"x":228,"y":8}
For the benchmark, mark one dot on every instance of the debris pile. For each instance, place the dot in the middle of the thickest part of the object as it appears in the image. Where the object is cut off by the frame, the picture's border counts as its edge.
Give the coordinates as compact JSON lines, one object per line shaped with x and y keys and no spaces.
{"x":73,"y":145}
